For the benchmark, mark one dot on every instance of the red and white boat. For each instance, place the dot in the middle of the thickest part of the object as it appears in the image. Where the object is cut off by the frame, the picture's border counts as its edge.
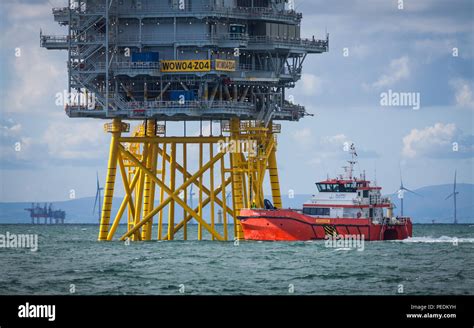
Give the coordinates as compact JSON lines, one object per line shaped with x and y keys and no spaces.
{"x":344,"y":206}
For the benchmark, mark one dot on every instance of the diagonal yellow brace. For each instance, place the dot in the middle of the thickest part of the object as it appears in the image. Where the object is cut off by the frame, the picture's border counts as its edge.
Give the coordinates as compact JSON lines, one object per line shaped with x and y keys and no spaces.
{"x":128,"y":188}
{"x":173,"y":196}
{"x":188,"y":175}
{"x":204,"y":203}
{"x":127,"y":199}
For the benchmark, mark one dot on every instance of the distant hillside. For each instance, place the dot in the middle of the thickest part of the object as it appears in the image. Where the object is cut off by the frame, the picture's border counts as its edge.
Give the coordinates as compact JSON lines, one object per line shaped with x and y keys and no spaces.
{"x":434,"y":206}
{"x":431,"y":206}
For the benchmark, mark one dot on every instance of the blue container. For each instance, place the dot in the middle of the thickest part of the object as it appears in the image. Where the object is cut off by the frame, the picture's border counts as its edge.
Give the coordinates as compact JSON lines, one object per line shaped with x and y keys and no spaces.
{"x":176,"y":94}
{"x":145,"y":57}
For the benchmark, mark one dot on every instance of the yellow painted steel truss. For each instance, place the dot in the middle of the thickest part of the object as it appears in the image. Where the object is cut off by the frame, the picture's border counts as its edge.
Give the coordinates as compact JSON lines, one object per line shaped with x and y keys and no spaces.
{"x":153,"y":165}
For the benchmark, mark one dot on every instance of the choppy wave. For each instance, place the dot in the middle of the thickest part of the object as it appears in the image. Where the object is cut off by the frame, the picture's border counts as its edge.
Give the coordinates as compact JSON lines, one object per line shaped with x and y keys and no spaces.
{"x":442,"y":239}
{"x":68,"y":256}
{"x":344,"y":249}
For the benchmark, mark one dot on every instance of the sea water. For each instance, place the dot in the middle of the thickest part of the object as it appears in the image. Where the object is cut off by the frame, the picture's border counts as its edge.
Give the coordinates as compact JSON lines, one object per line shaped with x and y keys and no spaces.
{"x":438,"y":260}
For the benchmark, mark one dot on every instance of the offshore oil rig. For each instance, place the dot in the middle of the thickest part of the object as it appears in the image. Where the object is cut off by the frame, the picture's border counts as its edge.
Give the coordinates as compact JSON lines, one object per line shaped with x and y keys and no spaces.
{"x":225,"y":62}
{"x":38,"y":212}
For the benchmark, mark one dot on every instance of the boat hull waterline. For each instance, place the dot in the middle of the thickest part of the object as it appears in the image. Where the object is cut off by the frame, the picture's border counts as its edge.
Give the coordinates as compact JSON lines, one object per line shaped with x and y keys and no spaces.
{"x":291,"y":225}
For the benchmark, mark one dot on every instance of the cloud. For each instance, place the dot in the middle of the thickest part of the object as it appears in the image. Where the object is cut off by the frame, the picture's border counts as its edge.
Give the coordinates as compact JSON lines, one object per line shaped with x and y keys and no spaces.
{"x":430,"y":48}
{"x":64,"y":142}
{"x":432,"y":17}
{"x":332,"y":147}
{"x":463,"y":93}
{"x":31,"y":71}
{"x":16,"y":149}
{"x":34,"y":76}
{"x":30,"y":11}
{"x":338,"y":139}
{"x":399,"y":69}
{"x":310,"y":84}
{"x":67,"y":140}
{"x":359,"y":51}
{"x":9,"y":128}
{"x":437,"y":141}
{"x":303,"y":136}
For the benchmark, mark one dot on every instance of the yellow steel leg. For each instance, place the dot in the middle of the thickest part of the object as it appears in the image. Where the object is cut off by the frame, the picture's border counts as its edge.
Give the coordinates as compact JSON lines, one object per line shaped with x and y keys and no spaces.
{"x":162,"y":191}
{"x":274,"y":180}
{"x":148,"y":184}
{"x":115,"y":129}
{"x":152,"y":189}
{"x":185,"y":198}
{"x":211,"y":187}
{"x":237,"y":181}
{"x":259,"y":177}
{"x":200,"y":190}
{"x":138,"y":202}
{"x":172,"y":187}
{"x":130,"y":213}
{"x":139,"y":195}
{"x":224,"y":199}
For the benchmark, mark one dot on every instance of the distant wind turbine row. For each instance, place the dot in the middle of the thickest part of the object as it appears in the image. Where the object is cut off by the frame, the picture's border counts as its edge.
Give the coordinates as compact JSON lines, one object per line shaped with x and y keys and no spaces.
{"x":401,"y":191}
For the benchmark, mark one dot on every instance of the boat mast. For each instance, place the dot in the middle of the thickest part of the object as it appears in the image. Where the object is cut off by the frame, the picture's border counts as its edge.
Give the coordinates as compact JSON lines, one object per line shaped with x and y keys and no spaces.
{"x":349,"y":170}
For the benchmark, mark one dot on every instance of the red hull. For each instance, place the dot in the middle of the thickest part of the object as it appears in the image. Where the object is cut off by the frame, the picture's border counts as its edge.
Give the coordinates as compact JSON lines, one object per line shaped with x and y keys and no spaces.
{"x":290,"y":225}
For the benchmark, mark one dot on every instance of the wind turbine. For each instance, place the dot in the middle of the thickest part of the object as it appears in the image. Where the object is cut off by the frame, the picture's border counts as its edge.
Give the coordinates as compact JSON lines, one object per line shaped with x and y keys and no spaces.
{"x":219,"y":212}
{"x":191,"y":194}
{"x":97,"y":197}
{"x":454,"y":195}
{"x":401,"y":191}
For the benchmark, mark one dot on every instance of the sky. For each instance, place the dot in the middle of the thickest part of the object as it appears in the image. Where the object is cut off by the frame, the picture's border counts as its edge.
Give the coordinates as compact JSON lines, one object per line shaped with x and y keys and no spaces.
{"x":377,"y":48}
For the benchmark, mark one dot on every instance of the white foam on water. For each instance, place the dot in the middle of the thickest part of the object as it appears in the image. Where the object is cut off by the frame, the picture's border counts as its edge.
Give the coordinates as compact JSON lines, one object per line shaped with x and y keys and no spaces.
{"x":442,"y":239}
{"x":343,"y":249}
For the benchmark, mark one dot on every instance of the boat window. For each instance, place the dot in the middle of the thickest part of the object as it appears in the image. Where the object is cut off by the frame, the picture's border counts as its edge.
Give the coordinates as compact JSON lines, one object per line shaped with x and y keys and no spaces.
{"x":365,"y":193}
{"x":337,"y":187}
{"x":322,"y":187}
{"x":315,"y":210}
{"x":351,"y":187}
{"x":347,"y":187}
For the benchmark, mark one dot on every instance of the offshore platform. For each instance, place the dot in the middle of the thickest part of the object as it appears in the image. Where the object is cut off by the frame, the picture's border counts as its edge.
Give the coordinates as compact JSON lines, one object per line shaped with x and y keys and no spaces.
{"x":38,"y":212}
{"x":227,"y":62}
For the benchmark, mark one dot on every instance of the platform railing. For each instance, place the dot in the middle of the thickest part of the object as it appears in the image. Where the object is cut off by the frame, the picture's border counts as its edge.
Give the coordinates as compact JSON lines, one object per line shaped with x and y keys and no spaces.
{"x":190,"y":104}
{"x":256,"y":12}
{"x":286,"y":40}
{"x":180,"y":37}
